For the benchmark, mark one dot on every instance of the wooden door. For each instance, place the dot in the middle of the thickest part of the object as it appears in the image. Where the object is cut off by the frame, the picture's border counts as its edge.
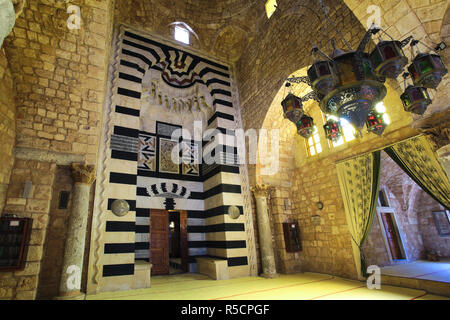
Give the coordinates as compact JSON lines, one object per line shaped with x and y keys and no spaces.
{"x":184,"y":242}
{"x":392,"y":236}
{"x":159,"y":242}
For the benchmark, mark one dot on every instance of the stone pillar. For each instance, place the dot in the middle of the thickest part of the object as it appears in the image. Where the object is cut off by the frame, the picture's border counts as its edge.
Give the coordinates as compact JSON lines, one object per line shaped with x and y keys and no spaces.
{"x":70,"y":285}
{"x":261,"y":193}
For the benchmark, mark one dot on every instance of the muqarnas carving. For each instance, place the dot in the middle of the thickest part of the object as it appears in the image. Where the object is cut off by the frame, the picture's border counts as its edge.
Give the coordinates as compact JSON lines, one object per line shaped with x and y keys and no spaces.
{"x":190,"y":159}
{"x":168,"y":156}
{"x":147,"y":152}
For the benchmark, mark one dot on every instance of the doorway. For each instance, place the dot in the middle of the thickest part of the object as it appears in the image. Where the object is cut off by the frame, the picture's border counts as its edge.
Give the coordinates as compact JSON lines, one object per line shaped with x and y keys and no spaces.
{"x":168,"y":242}
{"x":392,"y":236}
{"x":389,"y":228}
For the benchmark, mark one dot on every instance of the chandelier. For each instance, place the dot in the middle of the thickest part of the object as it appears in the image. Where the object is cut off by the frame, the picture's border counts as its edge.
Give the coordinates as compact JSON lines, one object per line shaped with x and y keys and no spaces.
{"x":350,"y":84}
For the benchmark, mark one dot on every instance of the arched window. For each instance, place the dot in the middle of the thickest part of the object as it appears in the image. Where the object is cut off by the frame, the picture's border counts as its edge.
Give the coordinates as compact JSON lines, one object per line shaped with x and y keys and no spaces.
{"x":182,"y":34}
{"x":313,"y":145}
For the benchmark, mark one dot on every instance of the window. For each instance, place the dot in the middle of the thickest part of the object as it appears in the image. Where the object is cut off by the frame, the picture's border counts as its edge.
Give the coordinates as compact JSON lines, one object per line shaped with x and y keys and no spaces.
{"x":271,"y":6}
{"x":313,"y":145}
{"x":348,"y":132}
{"x":381,"y":108}
{"x":181,"y":34}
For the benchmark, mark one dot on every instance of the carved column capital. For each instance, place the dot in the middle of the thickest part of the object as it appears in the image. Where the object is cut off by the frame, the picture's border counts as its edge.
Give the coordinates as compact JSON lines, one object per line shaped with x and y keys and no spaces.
{"x":83,"y":173}
{"x":261,"y":191}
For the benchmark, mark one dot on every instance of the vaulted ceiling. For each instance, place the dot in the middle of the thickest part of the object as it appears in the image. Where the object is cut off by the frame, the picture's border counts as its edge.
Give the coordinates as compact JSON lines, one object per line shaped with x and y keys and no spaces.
{"x":224,"y":28}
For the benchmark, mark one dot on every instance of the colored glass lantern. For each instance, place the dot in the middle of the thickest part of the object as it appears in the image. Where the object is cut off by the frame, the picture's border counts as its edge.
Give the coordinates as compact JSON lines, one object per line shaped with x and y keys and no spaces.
{"x":388,"y":59}
{"x":322,"y":76}
{"x":292,"y":108}
{"x":427,"y":70}
{"x":358,"y":90}
{"x":305,"y":127}
{"x":416,"y":99}
{"x":375,"y":123}
{"x":333,"y":130}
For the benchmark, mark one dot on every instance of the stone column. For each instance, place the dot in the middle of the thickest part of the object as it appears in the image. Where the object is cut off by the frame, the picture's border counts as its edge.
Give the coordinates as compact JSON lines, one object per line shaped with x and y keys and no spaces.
{"x":69,"y":289}
{"x":261,"y":193}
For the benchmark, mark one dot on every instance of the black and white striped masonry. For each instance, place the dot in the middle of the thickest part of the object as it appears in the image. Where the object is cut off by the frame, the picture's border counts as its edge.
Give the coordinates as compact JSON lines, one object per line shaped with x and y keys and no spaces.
{"x":205,"y":196}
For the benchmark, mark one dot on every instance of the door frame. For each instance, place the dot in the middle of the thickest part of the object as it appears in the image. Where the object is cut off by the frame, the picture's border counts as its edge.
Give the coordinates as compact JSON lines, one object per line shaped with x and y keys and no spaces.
{"x":400,"y":238}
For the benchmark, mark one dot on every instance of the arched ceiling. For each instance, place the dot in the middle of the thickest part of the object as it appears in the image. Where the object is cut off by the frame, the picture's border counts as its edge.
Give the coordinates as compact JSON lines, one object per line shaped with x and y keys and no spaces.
{"x":224,"y":28}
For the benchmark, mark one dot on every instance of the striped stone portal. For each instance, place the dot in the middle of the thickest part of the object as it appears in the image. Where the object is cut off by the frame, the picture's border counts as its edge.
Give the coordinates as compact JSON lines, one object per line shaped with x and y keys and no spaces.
{"x":210,"y":229}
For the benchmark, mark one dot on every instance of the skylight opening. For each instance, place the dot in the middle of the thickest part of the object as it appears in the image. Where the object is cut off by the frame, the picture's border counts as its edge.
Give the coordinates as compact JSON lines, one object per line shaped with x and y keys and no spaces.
{"x":271,"y":6}
{"x":182,"y":35}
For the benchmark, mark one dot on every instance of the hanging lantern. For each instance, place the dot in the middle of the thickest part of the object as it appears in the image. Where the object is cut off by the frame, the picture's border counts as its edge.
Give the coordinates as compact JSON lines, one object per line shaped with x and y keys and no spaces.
{"x":388,"y":59}
{"x":416,"y":99}
{"x":333,"y":130}
{"x":305,"y":127}
{"x":293,"y":108}
{"x":427,"y":70}
{"x":358,"y":91}
{"x":375,"y":123}
{"x":322,"y":76}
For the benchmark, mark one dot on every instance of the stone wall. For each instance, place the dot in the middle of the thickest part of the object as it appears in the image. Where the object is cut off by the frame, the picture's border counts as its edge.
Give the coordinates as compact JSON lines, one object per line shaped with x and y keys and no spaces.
{"x":52,"y":260}
{"x":60,"y":75}
{"x":23,"y":284}
{"x":7,"y":125}
{"x":60,"y":80}
{"x":326,"y":245}
{"x":432,"y":241}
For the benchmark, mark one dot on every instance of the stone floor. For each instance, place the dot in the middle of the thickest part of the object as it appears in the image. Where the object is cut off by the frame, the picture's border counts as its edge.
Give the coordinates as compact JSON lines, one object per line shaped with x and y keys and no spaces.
{"x":426,"y":270}
{"x":306,"y":286}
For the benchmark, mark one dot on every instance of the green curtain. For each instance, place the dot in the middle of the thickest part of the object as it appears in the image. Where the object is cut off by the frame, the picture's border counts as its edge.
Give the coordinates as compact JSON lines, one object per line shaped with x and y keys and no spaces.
{"x":417,"y":158}
{"x":359,"y":180}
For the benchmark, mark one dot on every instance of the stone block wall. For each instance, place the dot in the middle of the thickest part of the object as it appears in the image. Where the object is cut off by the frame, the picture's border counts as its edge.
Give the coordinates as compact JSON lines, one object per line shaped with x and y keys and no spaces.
{"x":53,"y":255}
{"x":23,"y":284}
{"x":7,"y":125}
{"x":60,"y":75}
{"x":326,"y":244}
{"x":432,"y":241}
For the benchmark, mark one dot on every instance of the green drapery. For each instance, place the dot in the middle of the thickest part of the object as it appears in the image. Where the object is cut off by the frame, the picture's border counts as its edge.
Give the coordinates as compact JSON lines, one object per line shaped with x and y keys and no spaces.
{"x":359,"y":180}
{"x":417,"y":158}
